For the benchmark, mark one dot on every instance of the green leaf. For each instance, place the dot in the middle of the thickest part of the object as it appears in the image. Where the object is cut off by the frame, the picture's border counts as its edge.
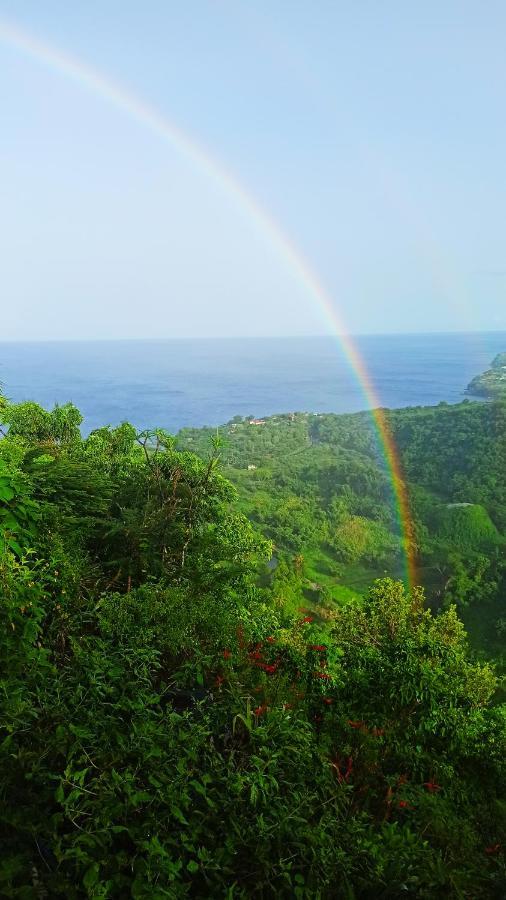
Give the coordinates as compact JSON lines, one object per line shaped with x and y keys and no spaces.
{"x":6,"y":492}
{"x":91,"y":876}
{"x":179,"y":815}
{"x":15,"y":546}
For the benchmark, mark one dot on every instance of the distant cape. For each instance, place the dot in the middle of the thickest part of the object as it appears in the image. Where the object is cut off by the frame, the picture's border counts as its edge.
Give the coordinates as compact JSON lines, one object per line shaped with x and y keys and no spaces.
{"x":492,"y":383}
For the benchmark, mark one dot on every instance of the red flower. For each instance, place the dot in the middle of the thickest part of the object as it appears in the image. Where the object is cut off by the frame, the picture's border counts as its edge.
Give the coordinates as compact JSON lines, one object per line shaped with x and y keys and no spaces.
{"x":356,"y":724}
{"x":287,"y":705}
{"x":226,"y":654}
{"x":307,"y":619}
{"x":377,"y":732}
{"x":255,"y":654}
{"x":328,"y":701}
{"x":260,"y":710}
{"x":494,"y":848}
{"x":219,"y":680}
{"x":270,"y":669}
{"x":432,"y":786}
{"x":324,"y":675}
{"x":403,"y":804}
{"x":271,"y":640}
{"x":320,"y":647}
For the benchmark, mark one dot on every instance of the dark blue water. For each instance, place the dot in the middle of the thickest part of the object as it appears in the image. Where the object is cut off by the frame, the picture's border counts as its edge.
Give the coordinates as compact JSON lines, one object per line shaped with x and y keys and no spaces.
{"x":172,"y":384}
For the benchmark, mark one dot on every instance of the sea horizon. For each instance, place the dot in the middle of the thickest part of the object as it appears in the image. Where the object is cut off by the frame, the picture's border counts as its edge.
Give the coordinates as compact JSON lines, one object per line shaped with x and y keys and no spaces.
{"x":252,"y":337}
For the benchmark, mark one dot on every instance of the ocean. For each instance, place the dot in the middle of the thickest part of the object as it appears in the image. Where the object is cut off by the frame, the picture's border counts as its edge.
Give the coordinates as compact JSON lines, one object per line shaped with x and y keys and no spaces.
{"x":176,"y":383}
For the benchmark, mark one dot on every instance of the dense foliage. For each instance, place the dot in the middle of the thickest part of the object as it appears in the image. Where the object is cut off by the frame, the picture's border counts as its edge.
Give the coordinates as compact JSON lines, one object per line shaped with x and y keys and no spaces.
{"x":174,"y":724}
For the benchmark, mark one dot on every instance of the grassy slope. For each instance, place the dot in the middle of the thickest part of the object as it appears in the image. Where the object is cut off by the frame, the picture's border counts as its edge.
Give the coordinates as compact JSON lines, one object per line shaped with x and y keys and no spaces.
{"x":279,"y":449}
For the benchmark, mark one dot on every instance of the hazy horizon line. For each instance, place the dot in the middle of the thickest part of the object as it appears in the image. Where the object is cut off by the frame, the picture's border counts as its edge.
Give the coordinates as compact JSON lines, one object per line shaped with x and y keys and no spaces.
{"x":249,"y":337}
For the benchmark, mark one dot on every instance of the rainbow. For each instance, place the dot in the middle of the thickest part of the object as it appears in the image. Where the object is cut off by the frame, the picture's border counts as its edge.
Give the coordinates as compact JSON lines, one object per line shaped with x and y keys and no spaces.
{"x":136,"y":109}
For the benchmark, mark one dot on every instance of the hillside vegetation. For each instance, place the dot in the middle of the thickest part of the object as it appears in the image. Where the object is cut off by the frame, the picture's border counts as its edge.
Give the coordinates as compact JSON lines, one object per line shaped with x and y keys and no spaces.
{"x":321,"y":491}
{"x":205,"y":690}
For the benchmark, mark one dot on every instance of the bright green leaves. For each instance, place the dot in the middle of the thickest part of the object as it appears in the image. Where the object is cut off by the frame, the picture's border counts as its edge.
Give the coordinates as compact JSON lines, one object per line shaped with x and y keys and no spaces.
{"x":36,"y":425}
{"x":18,"y":512}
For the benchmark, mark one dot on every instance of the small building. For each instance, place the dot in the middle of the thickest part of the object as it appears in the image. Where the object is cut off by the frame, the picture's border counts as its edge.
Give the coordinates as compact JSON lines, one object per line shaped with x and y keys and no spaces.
{"x":257,"y":421}
{"x":251,"y":467}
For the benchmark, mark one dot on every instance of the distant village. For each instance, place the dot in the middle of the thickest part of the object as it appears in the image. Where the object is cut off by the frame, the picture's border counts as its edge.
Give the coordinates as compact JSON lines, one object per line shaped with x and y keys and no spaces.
{"x":290,"y":417}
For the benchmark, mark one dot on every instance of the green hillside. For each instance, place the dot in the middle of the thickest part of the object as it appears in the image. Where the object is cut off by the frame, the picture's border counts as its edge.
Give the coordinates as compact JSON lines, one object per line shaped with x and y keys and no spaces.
{"x":319,"y":488}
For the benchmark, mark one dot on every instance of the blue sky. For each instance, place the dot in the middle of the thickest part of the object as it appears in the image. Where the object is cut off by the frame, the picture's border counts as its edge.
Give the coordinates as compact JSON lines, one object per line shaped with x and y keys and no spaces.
{"x":373,"y":134}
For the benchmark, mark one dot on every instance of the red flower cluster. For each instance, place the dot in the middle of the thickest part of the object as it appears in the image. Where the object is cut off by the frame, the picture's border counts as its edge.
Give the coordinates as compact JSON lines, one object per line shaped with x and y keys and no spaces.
{"x":324,"y":675}
{"x":403,"y":804}
{"x":307,"y":619}
{"x":257,"y":658}
{"x":270,"y":669}
{"x":260,"y":710}
{"x":328,"y":700}
{"x":432,"y":787}
{"x":271,"y":640}
{"x":319,"y":647}
{"x":226,"y":654}
{"x":357,"y":724}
